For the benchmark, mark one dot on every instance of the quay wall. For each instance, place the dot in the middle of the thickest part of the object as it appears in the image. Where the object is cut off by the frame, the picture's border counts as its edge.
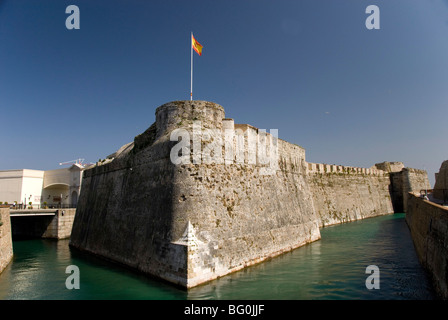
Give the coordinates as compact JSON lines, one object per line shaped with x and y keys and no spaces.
{"x":234,"y":196}
{"x":6,"y":250}
{"x":240,"y":216}
{"x":61,"y":224}
{"x":428,"y":224}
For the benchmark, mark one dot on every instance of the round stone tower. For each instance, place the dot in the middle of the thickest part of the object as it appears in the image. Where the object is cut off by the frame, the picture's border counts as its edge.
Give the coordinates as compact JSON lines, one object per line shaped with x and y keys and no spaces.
{"x":177,"y":114}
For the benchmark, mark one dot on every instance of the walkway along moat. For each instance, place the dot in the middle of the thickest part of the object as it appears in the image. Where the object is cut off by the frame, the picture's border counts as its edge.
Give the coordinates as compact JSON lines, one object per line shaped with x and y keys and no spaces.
{"x":332,"y":268}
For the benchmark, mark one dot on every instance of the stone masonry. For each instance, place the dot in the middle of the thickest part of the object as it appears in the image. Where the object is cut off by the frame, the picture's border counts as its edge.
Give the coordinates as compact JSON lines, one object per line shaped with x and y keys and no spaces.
{"x":6,"y":251}
{"x":428,"y":224}
{"x":196,"y":197}
{"x":441,"y":185}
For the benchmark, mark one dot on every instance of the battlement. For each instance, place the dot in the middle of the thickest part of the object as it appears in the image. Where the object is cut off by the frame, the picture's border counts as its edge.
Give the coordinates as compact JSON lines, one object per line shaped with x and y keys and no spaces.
{"x":314,"y":168}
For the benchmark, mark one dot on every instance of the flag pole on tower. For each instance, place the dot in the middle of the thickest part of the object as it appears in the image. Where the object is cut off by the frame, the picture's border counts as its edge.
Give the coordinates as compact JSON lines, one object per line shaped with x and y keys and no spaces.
{"x":191,"y":80}
{"x":198,"y":48}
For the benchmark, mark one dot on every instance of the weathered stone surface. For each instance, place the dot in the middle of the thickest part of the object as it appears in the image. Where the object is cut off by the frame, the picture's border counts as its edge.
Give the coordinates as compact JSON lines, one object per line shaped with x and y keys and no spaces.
{"x":346,"y":197}
{"x":402,"y":181}
{"x":388,"y":166}
{"x":194,"y":221}
{"x":241,"y":217}
{"x":428,"y":224}
{"x":414,"y":180}
{"x":136,"y":209}
{"x":62,"y":224}
{"x":6,"y":251}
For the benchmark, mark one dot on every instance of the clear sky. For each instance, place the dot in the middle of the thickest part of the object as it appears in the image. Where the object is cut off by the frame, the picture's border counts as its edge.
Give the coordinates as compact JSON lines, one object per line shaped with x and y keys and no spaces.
{"x":309,"y":68}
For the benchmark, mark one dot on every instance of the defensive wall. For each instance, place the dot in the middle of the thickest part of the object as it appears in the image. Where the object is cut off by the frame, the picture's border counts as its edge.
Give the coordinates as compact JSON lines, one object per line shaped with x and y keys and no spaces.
{"x":427,"y":218}
{"x":196,"y":197}
{"x":6,"y":251}
{"x":428,"y":224}
{"x":441,"y":184}
{"x":344,"y":193}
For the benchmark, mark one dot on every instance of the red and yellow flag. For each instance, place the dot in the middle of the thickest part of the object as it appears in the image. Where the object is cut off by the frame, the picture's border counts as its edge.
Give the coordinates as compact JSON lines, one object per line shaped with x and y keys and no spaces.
{"x":196,"y":45}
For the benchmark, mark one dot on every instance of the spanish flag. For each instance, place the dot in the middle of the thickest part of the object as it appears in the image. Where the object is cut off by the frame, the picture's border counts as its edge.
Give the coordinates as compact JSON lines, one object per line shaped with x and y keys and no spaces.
{"x":196,"y":45}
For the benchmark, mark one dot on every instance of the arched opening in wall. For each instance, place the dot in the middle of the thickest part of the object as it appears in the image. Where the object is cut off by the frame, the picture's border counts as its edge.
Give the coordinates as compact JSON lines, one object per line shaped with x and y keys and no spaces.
{"x":74,"y":199}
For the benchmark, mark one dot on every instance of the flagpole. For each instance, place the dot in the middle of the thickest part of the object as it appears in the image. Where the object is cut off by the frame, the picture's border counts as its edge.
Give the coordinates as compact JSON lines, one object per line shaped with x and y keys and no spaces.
{"x":191,"y":80}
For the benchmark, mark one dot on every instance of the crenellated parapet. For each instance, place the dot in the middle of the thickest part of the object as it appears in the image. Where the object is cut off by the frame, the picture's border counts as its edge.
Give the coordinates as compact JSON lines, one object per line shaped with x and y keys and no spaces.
{"x":314,"y":168}
{"x":6,"y":249}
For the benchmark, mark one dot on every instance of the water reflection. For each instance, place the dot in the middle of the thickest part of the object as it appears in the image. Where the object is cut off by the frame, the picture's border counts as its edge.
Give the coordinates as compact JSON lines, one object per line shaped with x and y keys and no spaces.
{"x":332,"y":268}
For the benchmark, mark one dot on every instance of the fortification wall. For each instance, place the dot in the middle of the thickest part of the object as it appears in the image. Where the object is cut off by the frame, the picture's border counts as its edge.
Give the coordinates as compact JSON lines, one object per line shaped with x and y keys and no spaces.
{"x":125,"y":212}
{"x":441,"y":184}
{"x":344,"y":194}
{"x":402,"y":181}
{"x":396,"y":190}
{"x":428,"y":224}
{"x":245,"y":216}
{"x":414,"y":180}
{"x":197,"y":196}
{"x":192,"y":222}
{"x":6,"y":251}
{"x":57,"y":226}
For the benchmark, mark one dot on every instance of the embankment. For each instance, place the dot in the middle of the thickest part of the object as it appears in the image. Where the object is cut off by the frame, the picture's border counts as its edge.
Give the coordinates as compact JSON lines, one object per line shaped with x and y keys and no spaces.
{"x":6,"y":252}
{"x":216,"y":198}
{"x":428,"y":223}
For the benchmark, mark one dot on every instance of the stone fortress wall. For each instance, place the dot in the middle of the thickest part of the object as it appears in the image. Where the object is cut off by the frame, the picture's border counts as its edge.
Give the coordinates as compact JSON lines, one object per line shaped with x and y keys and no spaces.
{"x":441,"y":184}
{"x":314,"y":168}
{"x":344,"y":193}
{"x":428,"y":223}
{"x":6,"y":252}
{"x":218,"y":207}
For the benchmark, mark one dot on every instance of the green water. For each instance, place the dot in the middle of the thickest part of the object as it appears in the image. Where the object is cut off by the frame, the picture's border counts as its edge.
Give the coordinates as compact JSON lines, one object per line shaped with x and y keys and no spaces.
{"x":332,"y":268}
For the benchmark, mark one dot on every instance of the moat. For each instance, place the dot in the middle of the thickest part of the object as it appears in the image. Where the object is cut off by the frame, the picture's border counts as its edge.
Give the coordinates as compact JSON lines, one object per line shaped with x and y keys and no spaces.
{"x":331,"y":268}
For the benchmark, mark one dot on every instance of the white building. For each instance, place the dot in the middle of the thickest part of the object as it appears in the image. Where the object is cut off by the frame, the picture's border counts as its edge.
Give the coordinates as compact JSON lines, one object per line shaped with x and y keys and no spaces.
{"x":50,"y":188}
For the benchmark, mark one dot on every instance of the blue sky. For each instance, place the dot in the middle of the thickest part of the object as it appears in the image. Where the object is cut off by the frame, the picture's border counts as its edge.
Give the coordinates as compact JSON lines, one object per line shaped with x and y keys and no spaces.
{"x":309,"y":68}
